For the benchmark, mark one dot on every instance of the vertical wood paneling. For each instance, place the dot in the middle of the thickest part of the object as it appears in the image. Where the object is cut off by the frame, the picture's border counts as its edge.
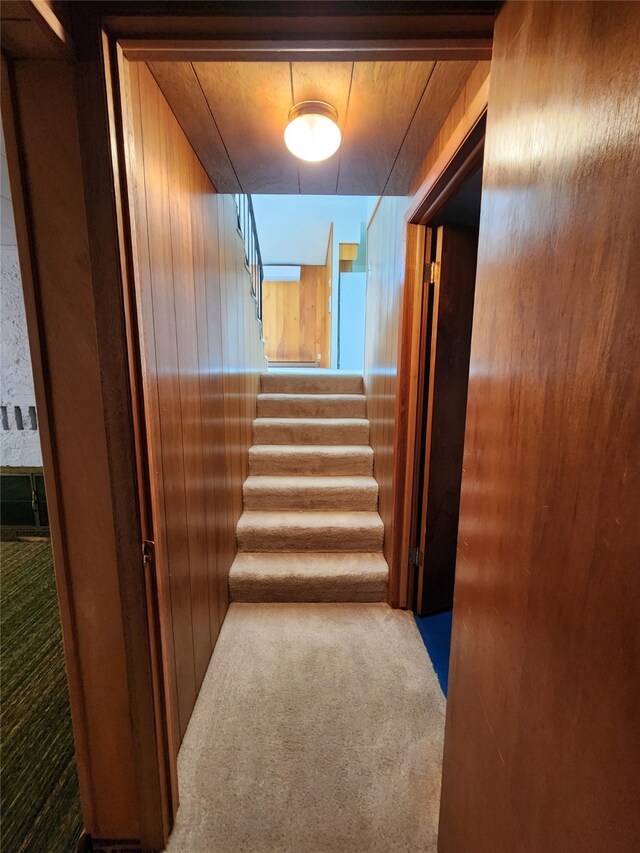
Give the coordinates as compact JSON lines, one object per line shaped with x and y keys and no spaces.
{"x":295,"y":317}
{"x":201,"y":355}
{"x":385,"y":283}
{"x":164,"y":431}
{"x":542,"y":737}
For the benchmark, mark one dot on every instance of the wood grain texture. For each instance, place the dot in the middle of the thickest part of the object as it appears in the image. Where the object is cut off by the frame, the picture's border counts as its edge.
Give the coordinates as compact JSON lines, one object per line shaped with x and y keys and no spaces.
{"x":386,"y":238}
{"x":201,"y":356}
{"x":389,"y":114}
{"x":294,"y":316}
{"x":36,"y":30}
{"x":68,"y":245}
{"x":395,"y":30}
{"x":443,"y":87}
{"x":408,"y":415}
{"x":460,"y":157}
{"x":180,"y":87}
{"x":430,"y":154}
{"x":322,"y":81}
{"x":542,"y":718}
{"x":384,"y":97}
{"x":250,"y":102}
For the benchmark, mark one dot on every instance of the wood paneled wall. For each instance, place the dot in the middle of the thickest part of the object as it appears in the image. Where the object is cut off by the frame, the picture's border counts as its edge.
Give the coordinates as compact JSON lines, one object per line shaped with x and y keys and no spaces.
{"x":201,"y":356}
{"x":294,"y":315}
{"x":386,"y":250}
{"x":542,"y":737}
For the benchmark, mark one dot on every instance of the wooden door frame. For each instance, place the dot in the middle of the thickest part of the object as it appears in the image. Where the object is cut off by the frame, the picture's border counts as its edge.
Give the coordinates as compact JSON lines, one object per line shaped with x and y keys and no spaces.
{"x":165,"y":709}
{"x":459,"y":158}
{"x":304,"y":32}
{"x":118,"y":47}
{"x":91,"y":479}
{"x":96,"y":229}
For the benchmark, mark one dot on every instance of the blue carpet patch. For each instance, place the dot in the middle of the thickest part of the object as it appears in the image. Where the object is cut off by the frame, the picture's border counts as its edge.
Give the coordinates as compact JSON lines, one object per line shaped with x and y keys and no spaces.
{"x":436,"y":635}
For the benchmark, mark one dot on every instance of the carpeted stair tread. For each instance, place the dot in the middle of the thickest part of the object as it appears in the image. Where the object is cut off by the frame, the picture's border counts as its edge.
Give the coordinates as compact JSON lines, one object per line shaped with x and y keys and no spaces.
{"x":308,"y":492}
{"x":311,"y":431}
{"x":260,"y":530}
{"x":312,"y":406}
{"x":314,"y":382}
{"x":303,"y":576}
{"x":329,"y":460}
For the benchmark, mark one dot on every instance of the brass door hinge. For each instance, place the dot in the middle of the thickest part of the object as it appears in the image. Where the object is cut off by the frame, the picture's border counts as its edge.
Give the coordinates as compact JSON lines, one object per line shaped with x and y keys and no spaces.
{"x":430,"y":271}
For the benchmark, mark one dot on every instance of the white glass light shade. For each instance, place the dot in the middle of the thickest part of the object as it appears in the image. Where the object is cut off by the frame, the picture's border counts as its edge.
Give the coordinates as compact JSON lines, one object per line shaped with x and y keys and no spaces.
{"x":312,"y":133}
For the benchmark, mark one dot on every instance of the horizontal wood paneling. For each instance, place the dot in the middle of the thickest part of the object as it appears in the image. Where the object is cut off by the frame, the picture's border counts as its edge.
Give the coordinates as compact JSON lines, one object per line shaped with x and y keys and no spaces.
{"x":386,"y":236}
{"x":201,"y":357}
{"x":384,"y":30}
{"x":542,"y":737}
{"x":295,"y":317}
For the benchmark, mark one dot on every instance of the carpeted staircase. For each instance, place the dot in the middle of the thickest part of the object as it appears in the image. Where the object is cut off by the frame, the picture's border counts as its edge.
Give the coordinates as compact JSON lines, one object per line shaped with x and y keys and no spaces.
{"x":310,"y":530}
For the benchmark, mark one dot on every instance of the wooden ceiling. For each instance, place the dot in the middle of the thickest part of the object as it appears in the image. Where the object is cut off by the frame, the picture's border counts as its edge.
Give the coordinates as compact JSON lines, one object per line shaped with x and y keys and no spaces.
{"x":234,"y":114}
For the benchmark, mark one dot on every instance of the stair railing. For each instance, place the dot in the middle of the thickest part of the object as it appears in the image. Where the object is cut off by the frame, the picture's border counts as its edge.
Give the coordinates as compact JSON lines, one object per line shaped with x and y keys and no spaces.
{"x":252,"y":256}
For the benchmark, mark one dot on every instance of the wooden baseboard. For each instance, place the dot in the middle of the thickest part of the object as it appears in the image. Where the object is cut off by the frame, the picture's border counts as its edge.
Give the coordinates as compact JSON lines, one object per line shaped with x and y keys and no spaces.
{"x":87,"y":844}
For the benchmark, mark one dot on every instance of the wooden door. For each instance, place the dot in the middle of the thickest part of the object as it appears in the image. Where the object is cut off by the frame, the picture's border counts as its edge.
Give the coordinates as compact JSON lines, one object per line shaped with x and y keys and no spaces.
{"x":448,"y":309}
{"x":542,"y":737}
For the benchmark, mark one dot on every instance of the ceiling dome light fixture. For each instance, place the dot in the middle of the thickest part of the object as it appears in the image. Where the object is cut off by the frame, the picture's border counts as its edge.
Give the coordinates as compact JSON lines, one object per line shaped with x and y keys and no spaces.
{"x":313,"y":133}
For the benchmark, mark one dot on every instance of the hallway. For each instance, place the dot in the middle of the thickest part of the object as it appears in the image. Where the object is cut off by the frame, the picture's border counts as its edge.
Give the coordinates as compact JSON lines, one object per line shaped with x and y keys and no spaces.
{"x":338,"y":743}
{"x":207,"y":196}
{"x":319,"y":727}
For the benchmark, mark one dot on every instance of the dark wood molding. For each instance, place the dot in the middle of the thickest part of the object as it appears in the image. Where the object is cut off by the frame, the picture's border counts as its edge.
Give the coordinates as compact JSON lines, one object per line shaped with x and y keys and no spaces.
{"x":35,"y":30}
{"x":460,"y":157}
{"x":157,"y":31}
{"x":110,"y":845}
{"x":310,"y":30}
{"x":467,"y":160}
{"x":307,"y":50}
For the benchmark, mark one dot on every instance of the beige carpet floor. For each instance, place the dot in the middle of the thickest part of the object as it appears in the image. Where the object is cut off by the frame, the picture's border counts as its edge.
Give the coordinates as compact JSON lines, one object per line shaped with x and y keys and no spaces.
{"x":319,"y":727}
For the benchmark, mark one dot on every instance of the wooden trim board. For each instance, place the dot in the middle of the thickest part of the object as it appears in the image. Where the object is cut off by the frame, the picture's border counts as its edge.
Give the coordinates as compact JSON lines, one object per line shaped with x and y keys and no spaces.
{"x":463,"y":149}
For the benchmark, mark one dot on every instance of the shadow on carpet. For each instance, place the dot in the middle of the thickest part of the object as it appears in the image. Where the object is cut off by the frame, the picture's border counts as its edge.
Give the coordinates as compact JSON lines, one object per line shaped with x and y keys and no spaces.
{"x":436,"y":635}
{"x":39,"y":801}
